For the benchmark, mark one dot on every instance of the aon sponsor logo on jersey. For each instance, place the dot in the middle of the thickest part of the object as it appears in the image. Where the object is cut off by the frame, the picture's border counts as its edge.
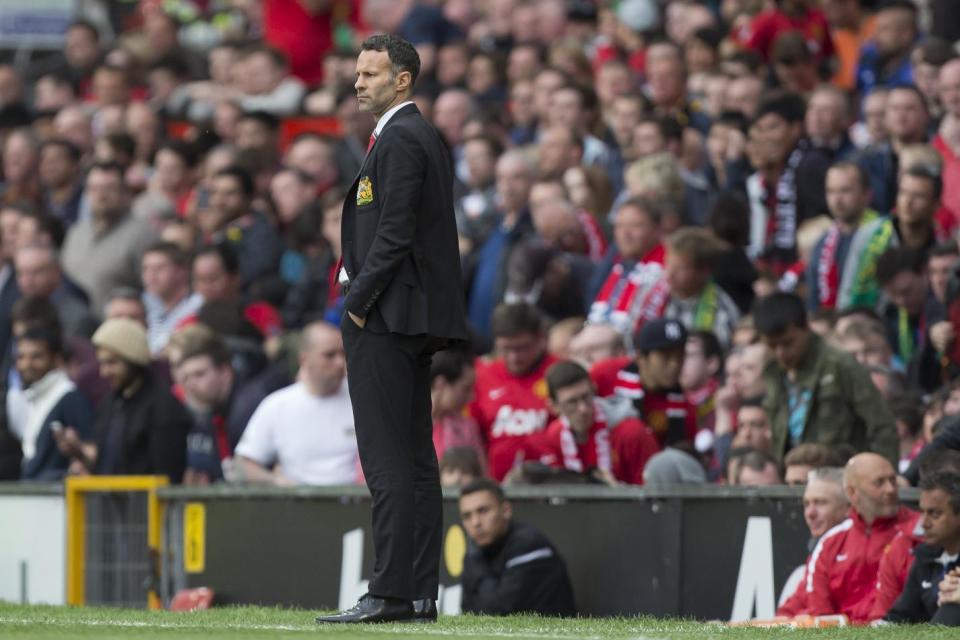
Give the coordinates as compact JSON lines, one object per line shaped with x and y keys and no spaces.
{"x":518,"y":422}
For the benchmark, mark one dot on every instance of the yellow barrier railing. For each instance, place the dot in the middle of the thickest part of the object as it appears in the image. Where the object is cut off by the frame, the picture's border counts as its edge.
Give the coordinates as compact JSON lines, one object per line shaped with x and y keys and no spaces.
{"x":76,"y":489}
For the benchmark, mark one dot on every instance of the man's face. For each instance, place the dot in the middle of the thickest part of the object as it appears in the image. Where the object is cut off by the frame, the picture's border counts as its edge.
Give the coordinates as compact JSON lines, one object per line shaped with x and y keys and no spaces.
{"x":647,"y":139}
{"x":161,"y":277}
{"x":825,"y":115}
{"x":846,"y":197}
{"x":37,"y":272}
{"x":916,"y":204}
{"x":81,"y":48}
{"x":522,"y":352}
{"x":324,"y":360}
{"x":57,"y":169}
{"x":575,"y":403}
{"x":743,"y":95}
{"x":685,"y":278}
{"x":949,"y":87}
{"x":795,"y":475}
{"x":634,"y":232}
{"x":452,"y":396}
{"x":19,"y":158}
{"x":253,"y":134}
{"x":595,"y":342}
{"x":566,"y":110}
{"x":377,"y":87}
{"x":824,"y":506}
{"x":556,"y":152}
{"x":750,"y":368}
{"x":484,"y":518}
{"x":126,"y":308}
{"x":908,"y":291}
{"x":775,"y":134}
{"x":696,"y":368}
{"x":895,"y":30}
{"x":513,"y":184}
{"x":624,"y":116}
{"x":905,"y":116}
{"x":481,"y":163}
{"x":666,"y":80}
{"x":206,"y":384}
{"x":313,"y":157}
{"x":872,"y":491}
{"x":34,"y":360}
{"x":660,"y":369}
{"x":941,"y":524}
{"x":212,"y":281}
{"x":789,"y":347}
{"x":115,"y":370}
{"x":767,"y":477}
{"x":107,"y":194}
{"x":938,"y":270}
{"x":227,"y":199}
{"x":110,"y":87}
{"x":752,"y":421}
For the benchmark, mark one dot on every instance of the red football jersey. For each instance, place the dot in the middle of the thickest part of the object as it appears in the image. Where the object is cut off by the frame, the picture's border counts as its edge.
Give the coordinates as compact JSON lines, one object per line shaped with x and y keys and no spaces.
{"x":508,"y":408}
{"x":667,"y":412}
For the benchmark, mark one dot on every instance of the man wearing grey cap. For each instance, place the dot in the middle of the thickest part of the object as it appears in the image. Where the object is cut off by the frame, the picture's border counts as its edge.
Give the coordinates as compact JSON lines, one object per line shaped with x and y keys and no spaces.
{"x":652,"y":381}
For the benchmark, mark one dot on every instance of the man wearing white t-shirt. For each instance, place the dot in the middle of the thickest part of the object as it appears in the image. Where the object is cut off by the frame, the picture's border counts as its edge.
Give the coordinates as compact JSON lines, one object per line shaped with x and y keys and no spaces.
{"x":303,"y":434}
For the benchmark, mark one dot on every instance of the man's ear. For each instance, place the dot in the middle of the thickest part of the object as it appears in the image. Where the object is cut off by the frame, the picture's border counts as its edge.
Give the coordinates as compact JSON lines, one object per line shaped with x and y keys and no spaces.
{"x":403,"y":81}
{"x":507,"y":509}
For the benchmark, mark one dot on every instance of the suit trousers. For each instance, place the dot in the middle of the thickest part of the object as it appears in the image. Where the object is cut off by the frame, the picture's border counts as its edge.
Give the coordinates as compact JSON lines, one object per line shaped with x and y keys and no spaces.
{"x":389,"y":379}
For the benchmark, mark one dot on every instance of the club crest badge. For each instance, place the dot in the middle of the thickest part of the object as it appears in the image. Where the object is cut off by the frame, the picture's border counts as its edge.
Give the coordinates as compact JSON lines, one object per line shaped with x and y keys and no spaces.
{"x":364,"y":191}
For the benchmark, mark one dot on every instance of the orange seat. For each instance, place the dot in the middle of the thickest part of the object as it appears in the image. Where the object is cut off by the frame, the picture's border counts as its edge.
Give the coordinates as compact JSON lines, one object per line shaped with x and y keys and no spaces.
{"x":290,"y":128}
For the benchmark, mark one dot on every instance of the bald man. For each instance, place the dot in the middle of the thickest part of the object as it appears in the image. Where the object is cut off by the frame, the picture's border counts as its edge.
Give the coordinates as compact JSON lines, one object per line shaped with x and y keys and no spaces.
{"x":842,"y":571}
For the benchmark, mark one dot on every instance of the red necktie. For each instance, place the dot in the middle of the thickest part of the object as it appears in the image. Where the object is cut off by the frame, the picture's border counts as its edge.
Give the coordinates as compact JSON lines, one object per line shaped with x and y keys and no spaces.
{"x":373,"y":138}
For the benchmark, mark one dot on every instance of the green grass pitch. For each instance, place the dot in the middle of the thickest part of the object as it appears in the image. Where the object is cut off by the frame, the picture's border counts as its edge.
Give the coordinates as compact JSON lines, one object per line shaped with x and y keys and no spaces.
{"x":252,"y":623}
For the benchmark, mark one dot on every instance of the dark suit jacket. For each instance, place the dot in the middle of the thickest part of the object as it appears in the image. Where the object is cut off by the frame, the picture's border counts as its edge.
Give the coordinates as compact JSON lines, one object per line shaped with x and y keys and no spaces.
{"x":399,"y":235}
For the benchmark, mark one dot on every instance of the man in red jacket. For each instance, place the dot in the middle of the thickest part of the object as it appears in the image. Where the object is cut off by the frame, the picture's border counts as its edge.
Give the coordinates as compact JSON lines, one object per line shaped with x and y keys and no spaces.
{"x":590,"y":436}
{"x":842,"y":572}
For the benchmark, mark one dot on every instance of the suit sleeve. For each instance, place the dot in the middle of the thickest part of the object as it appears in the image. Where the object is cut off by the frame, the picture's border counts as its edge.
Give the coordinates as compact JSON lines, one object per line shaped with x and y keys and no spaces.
{"x":402,"y":161}
{"x":908,"y":607}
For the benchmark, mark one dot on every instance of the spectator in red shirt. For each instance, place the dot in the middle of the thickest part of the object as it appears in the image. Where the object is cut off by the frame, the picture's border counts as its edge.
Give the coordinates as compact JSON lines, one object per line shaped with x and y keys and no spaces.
{"x":589,"y":436}
{"x":511,"y":393}
{"x":452,"y":379}
{"x":652,"y":381}
{"x":304,"y":31}
{"x":842,"y":572}
{"x":790,"y":15}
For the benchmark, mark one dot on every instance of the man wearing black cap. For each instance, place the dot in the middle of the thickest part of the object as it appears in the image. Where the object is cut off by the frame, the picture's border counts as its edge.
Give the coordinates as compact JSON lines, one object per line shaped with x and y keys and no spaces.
{"x":652,"y":381}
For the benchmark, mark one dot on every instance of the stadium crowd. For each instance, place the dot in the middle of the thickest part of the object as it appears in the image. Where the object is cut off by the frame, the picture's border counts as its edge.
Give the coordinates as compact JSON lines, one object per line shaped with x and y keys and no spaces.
{"x":703,"y":241}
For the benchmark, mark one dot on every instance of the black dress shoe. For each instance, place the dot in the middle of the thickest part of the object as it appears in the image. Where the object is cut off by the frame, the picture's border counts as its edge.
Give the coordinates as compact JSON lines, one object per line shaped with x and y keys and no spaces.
{"x":372,"y":609}
{"x":425,"y":610}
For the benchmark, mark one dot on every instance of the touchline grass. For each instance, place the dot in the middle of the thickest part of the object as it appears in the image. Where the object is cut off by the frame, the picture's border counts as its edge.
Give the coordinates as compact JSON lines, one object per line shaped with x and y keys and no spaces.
{"x":247,"y":623}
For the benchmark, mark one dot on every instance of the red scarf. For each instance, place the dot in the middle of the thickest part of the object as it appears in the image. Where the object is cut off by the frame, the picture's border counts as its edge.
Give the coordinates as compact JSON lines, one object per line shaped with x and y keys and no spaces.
{"x":616,"y":301}
{"x":595,"y":453}
{"x":596,"y":241}
{"x":828,"y":272}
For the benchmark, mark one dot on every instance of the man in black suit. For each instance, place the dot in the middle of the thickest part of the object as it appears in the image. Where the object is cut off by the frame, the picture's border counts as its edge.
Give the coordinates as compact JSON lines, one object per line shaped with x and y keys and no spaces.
{"x":403,"y":301}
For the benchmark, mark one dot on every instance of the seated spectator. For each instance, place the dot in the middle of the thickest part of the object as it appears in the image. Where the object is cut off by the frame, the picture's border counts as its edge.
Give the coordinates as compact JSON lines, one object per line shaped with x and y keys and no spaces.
{"x":753,"y":427}
{"x":843,"y":568}
{"x":907,"y":410}
{"x":46,"y":403}
{"x":560,"y":335}
{"x":824,"y":507}
{"x":281,"y":445}
{"x":452,"y":380}
{"x":700,"y":380}
{"x":103,"y":252}
{"x":693,"y":297}
{"x":61,"y":180}
{"x":814,"y":392}
{"x":166,"y":292}
{"x":673,"y":467}
{"x":510,"y":567}
{"x":459,"y":467}
{"x":923,"y":599}
{"x":652,"y":381}
{"x":141,"y":429}
{"x":602,"y":440}
{"x":804,"y":458}
{"x":595,"y":342}
{"x":126,"y":302}
{"x":885,"y":60}
{"x":510,"y":395}
{"x":39,"y":275}
{"x":758,"y":470}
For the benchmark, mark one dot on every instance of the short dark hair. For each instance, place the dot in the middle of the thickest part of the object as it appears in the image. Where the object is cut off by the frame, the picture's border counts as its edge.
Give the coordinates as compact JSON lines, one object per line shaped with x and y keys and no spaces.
{"x":668,"y":126}
{"x":51,"y":339}
{"x":709,"y":341}
{"x":729,"y":218}
{"x":778,"y":312}
{"x":944,"y":249}
{"x":484,"y":484}
{"x":907,"y":407}
{"x":265,"y":118}
{"x":183,"y":150}
{"x":652,"y":210}
{"x":449,"y":364}
{"x":49,"y":225}
{"x":511,"y":320}
{"x":171,"y":250}
{"x":242,"y":176}
{"x":814,"y":454}
{"x":224,"y":252}
{"x":929,"y":173}
{"x":36,"y":311}
{"x":899,"y":260}
{"x":403,"y":56}
{"x":946,"y":481}
{"x":940,"y":460}
{"x":85,"y":25}
{"x":212,"y":347}
{"x":464,"y":459}
{"x":906,"y":5}
{"x":564,"y":374}
{"x":72,"y":150}
{"x":789,"y":106}
{"x":862,"y":176}
{"x":756,"y":461}
{"x":109,"y":167}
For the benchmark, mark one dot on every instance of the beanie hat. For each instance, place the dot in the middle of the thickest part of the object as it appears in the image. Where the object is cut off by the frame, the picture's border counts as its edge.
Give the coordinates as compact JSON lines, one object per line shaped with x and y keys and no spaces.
{"x":127,"y":338}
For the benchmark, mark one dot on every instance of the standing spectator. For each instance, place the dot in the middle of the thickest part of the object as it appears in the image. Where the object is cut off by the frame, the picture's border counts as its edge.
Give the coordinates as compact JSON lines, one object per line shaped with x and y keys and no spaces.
{"x":282,"y":444}
{"x":824,"y":507}
{"x":166,"y":292}
{"x":39,"y":275}
{"x":923,"y":598}
{"x":231,"y":219}
{"x":843,"y":568}
{"x":652,"y":381}
{"x":21,"y":157}
{"x":103,"y":252}
{"x":827,"y":121}
{"x":885,"y":61}
{"x":694,"y":298}
{"x":61,"y":180}
{"x":452,"y":380}
{"x":906,"y":120}
{"x":511,"y":392}
{"x":477,"y":207}
{"x":510,"y":567}
{"x":46,"y":403}
{"x":848,"y":198}
{"x":814,"y":392}
{"x":140,"y":427}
